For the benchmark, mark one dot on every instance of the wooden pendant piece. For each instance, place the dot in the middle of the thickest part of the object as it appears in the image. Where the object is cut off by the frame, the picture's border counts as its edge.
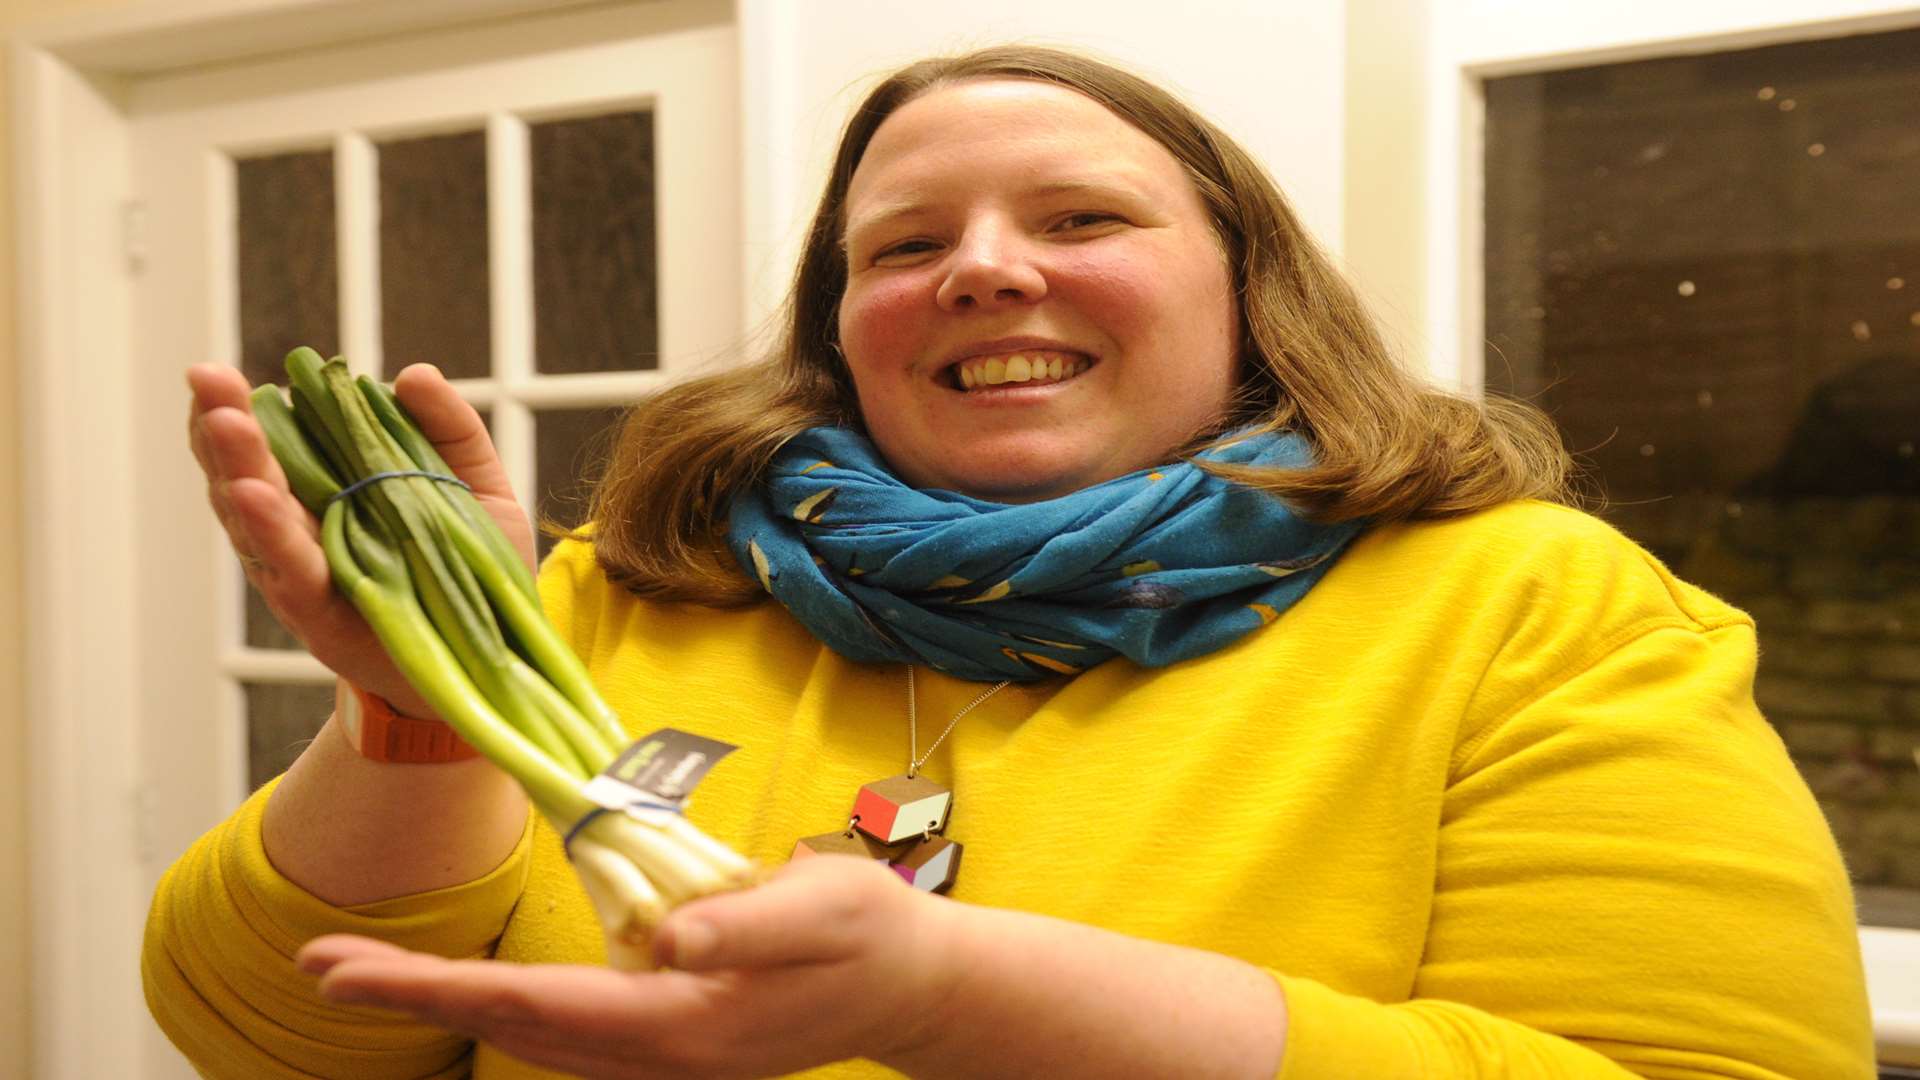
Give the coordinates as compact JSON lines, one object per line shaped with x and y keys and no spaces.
{"x":901,"y":807}
{"x":847,"y":842}
{"x":931,"y":865}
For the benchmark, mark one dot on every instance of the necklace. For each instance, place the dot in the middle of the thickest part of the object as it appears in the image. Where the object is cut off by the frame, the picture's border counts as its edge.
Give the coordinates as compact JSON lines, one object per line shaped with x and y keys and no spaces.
{"x":899,"y":820}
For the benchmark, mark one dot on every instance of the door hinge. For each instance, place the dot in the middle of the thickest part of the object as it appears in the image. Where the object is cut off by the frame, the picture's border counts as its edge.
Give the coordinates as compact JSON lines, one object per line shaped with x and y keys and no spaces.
{"x":133,"y":234}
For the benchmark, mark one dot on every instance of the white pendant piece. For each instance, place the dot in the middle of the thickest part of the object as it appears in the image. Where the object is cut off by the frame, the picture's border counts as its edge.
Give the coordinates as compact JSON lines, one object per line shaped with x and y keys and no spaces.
{"x":932,"y":865}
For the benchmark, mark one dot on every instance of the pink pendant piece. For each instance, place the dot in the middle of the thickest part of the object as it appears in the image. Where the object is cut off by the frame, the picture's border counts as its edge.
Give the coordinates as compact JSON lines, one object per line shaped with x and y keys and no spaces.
{"x":931,"y":865}
{"x":901,"y":807}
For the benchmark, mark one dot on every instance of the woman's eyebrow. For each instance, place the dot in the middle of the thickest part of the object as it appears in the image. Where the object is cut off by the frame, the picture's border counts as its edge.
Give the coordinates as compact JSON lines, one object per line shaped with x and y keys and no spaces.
{"x":1110,"y":187}
{"x":883,"y":214}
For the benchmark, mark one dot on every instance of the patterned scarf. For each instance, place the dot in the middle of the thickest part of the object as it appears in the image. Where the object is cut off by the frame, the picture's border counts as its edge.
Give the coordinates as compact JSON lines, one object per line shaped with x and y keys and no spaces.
{"x":1159,"y":566}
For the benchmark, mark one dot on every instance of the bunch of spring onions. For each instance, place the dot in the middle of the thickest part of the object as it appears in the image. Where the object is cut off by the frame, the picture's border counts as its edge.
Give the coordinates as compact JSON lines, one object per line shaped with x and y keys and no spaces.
{"x":455,"y":606}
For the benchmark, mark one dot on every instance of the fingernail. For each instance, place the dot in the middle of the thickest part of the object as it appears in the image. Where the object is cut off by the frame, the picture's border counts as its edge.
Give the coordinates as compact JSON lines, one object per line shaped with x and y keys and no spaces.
{"x":693,"y":940}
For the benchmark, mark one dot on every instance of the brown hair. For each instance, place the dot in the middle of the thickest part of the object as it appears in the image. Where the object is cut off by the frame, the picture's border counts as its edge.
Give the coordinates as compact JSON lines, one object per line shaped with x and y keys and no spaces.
{"x":1388,"y":446}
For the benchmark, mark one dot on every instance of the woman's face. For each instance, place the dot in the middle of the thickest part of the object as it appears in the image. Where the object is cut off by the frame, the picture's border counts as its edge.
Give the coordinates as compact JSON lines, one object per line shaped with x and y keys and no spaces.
{"x":1035,"y":298}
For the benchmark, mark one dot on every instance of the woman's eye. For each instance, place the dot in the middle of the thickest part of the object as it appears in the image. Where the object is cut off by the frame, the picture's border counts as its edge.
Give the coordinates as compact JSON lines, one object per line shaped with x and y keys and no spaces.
{"x":903,"y":249}
{"x":1086,"y":219}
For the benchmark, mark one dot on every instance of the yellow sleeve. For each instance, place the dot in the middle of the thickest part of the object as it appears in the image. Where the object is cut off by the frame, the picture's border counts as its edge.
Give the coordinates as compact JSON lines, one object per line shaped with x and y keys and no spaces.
{"x":217,"y":962}
{"x":224,"y":926}
{"x":1632,"y":881}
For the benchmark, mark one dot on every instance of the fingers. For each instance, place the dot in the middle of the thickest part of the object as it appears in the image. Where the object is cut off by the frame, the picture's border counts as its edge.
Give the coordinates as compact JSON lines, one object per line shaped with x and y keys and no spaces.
{"x":231,"y":449}
{"x":454,"y":428}
{"x":277,"y":540}
{"x":814,"y":910}
{"x":212,"y":387}
{"x":361,"y":971}
{"x":497,"y":1000}
{"x":321,"y":954}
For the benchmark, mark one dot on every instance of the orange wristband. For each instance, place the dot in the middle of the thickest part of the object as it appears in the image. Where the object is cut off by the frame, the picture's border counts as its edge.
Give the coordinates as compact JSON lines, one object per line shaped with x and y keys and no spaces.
{"x":380,"y":734}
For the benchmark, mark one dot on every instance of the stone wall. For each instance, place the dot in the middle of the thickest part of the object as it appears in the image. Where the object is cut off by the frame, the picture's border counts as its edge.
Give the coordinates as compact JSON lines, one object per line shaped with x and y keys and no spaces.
{"x":1834,"y":587}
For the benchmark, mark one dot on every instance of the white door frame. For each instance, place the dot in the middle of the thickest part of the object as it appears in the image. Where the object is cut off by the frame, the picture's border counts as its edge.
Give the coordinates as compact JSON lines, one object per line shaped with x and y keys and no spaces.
{"x":1475,"y":40}
{"x":75,"y":245}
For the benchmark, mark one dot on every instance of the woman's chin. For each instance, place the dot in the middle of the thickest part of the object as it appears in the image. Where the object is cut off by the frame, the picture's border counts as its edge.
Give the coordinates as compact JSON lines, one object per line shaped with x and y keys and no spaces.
{"x":1012,"y":466}
{"x":1018,"y":485}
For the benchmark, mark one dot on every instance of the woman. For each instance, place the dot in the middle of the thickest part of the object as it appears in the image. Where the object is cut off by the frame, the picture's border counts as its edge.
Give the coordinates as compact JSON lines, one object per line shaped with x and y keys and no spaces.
{"x":1245,"y":787}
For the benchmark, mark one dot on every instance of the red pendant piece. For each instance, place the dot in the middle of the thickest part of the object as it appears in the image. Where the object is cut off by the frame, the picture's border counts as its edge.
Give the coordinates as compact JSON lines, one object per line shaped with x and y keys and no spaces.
{"x":900,"y":808}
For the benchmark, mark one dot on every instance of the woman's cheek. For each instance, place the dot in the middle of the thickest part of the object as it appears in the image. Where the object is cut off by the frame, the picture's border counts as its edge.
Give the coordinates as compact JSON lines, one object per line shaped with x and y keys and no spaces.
{"x":882,"y":319}
{"x":1115,"y":289}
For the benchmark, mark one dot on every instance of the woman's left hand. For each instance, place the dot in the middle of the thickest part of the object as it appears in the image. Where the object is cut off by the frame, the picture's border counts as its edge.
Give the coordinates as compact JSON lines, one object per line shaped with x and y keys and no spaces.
{"x":833,"y":958}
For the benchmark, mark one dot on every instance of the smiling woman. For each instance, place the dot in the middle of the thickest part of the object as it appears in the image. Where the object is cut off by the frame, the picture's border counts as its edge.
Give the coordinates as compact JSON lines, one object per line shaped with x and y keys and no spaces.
{"x":1286,"y":723}
{"x":994,"y":223}
{"x":1143,"y":235}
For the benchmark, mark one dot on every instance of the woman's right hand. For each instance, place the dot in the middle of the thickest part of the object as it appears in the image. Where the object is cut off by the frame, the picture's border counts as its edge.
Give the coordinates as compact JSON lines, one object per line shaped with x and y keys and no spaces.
{"x":278,"y":541}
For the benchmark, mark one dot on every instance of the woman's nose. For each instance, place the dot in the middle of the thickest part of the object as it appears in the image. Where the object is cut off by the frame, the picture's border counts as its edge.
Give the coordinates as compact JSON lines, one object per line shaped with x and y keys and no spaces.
{"x":990,"y":269}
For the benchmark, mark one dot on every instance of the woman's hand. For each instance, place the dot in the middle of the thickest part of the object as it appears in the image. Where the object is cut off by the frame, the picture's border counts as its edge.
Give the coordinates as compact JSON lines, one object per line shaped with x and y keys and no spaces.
{"x":279,"y":542}
{"x":834,"y":958}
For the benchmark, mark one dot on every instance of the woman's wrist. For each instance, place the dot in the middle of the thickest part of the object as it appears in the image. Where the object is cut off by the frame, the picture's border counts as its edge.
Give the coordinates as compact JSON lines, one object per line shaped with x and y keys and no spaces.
{"x":380,"y":732}
{"x":1015,"y":994}
{"x":353,"y":831}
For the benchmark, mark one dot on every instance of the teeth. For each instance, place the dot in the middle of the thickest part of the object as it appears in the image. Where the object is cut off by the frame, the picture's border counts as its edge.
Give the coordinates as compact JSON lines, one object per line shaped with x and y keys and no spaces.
{"x":1018,"y":368}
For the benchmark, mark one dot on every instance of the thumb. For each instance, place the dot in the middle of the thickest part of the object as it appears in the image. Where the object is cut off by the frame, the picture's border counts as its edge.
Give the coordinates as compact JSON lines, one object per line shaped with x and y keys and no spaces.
{"x":815,"y":910}
{"x":453,"y":427}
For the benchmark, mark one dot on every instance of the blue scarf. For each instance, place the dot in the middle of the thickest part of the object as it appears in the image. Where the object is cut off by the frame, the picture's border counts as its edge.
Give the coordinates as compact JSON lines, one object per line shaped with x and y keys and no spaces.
{"x":1158,"y":566}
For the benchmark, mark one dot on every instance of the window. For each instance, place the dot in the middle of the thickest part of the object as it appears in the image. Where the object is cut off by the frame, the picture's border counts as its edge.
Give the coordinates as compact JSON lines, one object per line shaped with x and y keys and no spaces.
{"x":588,"y":280}
{"x":1707,"y":269}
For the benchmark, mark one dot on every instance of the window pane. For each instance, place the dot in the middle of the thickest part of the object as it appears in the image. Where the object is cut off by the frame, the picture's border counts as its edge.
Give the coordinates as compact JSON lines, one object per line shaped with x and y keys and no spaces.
{"x":433,"y":254}
{"x":1708,"y":269}
{"x":289,"y":289}
{"x":595,"y":303}
{"x":571,"y":448}
{"x":281,"y":721}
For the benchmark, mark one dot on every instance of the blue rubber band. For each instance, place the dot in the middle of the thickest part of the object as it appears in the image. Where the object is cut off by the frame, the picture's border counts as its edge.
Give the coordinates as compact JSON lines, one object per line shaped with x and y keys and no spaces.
{"x":566,"y":842}
{"x":395,"y":474}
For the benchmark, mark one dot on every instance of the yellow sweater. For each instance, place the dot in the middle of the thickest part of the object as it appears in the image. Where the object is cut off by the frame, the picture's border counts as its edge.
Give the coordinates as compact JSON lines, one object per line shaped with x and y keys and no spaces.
{"x":1492,"y":800}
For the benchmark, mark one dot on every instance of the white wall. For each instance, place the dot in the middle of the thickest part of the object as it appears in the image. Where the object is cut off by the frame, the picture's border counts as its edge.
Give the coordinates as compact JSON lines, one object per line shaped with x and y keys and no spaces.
{"x":16,"y":978}
{"x":1271,"y":74}
{"x":1384,"y":198}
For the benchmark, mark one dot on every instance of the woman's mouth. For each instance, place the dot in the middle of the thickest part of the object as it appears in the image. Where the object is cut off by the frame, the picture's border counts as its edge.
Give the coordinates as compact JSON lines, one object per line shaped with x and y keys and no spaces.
{"x":1031,"y":367}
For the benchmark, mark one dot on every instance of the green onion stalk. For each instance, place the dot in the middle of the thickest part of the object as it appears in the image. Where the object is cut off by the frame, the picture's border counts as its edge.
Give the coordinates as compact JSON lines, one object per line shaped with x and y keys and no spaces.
{"x":456,"y":608}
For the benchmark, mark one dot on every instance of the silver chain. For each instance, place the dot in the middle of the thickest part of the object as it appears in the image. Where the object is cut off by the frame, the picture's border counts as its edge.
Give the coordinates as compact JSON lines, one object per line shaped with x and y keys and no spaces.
{"x":915,"y":759}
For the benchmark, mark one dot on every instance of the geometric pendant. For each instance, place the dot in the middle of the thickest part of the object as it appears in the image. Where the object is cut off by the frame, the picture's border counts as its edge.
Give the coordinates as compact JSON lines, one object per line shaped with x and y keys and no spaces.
{"x":901,"y":808}
{"x":931,"y":865}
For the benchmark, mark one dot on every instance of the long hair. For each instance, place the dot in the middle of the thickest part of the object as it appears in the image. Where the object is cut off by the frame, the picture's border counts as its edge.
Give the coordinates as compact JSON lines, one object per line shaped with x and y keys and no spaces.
{"x":1387,"y":445}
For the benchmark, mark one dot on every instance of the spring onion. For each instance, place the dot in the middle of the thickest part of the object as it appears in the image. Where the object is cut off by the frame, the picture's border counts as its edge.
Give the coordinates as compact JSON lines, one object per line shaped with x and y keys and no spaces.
{"x":456,"y":608}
